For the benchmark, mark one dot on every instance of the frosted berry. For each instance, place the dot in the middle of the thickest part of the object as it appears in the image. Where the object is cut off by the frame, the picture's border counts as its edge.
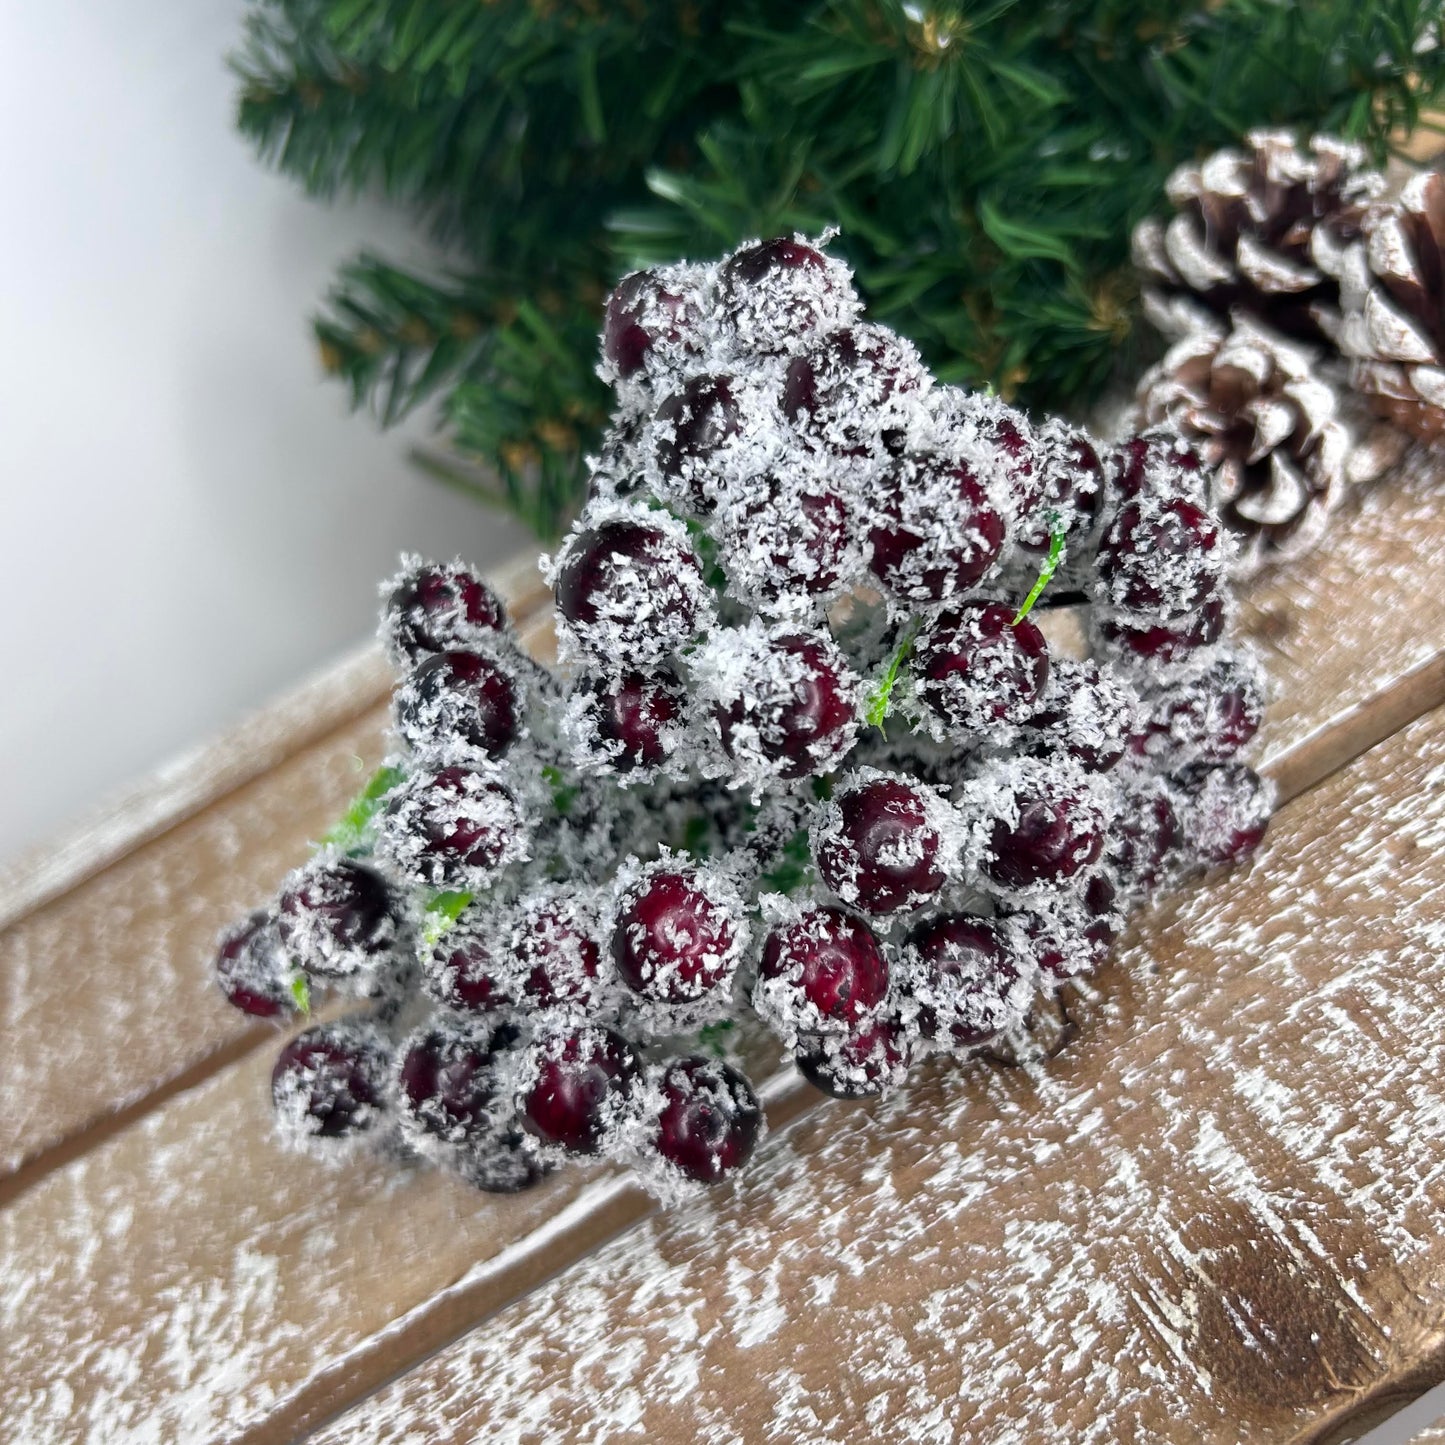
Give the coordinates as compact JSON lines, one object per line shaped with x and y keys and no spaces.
{"x":252,"y":969}
{"x":709,"y":1120}
{"x":456,"y":827}
{"x":786,"y":542}
{"x":935,"y":532}
{"x":823,"y":968}
{"x":1062,"y":494}
{"x":1205,"y":718}
{"x":778,"y":292}
{"x":1088,"y":712}
{"x":691,"y":427}
{"x":1155,"y":462}
{"x":842,"y":391}
{"x":1050,"y":831}
{"x":437,"y":607}
{"x":878,"y":846}
{"x":1145,"y":834}
{"x":1166,"y":644}
{"x":575,"y":1085}
{"x":556,"y":953}
{"x":867,"y":1060}
{"x":1158,"y":560}
{"x":785,"y":704}
{"x":330,"y":1081}
{"x":965,"y":978}
{"x":631,"y":591}
{"x":975,"y":668}
{"x":460,"y":697}
{"x":463,"y":973}
{"x":500,"y":1163}
{"x":636,"y":719}
{"x":336,"y":918}
{"x":1224,"y":810}
{"x":447,"y":1084}
{"x":675,"y":938}
{"x":642,"y":310}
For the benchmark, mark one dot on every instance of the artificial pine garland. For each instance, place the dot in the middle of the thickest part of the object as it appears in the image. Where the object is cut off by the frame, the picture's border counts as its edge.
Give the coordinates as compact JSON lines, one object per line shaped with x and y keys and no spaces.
{"x":986,"y":163}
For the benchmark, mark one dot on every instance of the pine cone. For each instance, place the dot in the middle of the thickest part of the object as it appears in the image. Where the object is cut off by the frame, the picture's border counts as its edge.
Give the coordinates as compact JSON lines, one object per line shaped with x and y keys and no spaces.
{"x":1393,"y":289}
{"x":1261,"y":228}
{"x":1274,"y":428}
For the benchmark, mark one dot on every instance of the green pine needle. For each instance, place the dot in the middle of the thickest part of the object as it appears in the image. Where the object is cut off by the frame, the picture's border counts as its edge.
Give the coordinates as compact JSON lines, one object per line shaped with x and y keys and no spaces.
{"x":351,"y":832}
{"x":441,"y":912}
{"x":1051,"y":565}
{"x":564,"y":794}
{"x":713,"y":1037}
{"x":301,"y":992}
{"x":878,"y":702}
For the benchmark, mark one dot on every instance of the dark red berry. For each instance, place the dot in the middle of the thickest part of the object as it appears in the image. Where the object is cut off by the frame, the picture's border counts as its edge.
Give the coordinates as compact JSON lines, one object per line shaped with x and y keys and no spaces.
{"x":1051,"y":833}
{"x":336,"y":917}
{"x":1225,"y":810}
{"x":1166,"y":643}
{"x":1087,"y":713}
{"x":439,"y":608}
{"x":461,"y":973}
{"x":936,"y":533}
{"x":448,"y":1084}
{"x":1158,"y":560}
{"x":640,"y":312}
{"x":252,"y":970}
{"x":839,"y":391}
{"x":557,"y":955}
{"x":692,"y":425}
{"x":709,"y":1121}
{"x":576,"y":1082}
{"x":330,"y":1081}
{"x":673,"y":939}
{"x":866,"y":1061}
{"x":879,"y":848}
{"x":1154,"y":462}
{"x":1144,"y":835}
{"x":637,"y":717}
{"x":1062,"y":494}
{"x":965,"y":978}
{"x":976,"y":667}
{"x":454,"y":826}
{"x":1060,"y":945}
{"x":784,"y":541}
{"x":794,"y":713}
{"x":778,"y":291}
{"x":1207,"y":718}
{"x":825,"y":961}
{"x":500,"y":1163}
{"x":459,"y":696}
{"x":629,"y":590}
{"x":1101,"y":910}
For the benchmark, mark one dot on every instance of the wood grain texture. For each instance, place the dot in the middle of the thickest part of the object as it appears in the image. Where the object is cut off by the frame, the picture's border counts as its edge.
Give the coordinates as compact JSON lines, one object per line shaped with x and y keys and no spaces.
{"x":1214,"y":1218}
{"x":104,"y":996}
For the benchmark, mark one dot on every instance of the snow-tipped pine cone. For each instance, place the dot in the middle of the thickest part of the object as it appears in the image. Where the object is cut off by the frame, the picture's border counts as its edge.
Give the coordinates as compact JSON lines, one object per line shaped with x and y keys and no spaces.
{"x":1393,"y":289}
{"x":1281,"y":436}
{"x":1260,"y":227}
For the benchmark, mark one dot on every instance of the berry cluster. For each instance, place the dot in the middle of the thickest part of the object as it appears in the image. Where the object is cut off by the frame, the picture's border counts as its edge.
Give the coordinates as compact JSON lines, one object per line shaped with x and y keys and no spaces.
{"x":806,"y":756}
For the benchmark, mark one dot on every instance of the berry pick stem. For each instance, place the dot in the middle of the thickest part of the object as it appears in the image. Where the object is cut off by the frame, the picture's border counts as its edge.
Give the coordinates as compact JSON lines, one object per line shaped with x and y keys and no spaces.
{"x":301,"y":992}
{"x":883,"y":692}
{"x":1046,"y":572}
{"x":442,"y":910}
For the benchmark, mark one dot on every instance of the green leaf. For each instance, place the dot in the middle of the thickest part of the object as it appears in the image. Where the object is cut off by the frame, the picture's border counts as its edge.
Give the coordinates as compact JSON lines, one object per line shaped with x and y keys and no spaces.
{"x":301,"y":992}
{"x":351,"y":833}
{"x":441,"y":912}
{"x":564,"y":794}
{"x":713,"y":1037}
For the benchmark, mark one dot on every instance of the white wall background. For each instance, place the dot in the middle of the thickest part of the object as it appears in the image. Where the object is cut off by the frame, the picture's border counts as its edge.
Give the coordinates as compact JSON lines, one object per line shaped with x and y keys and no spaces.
{"x":191,"y":520}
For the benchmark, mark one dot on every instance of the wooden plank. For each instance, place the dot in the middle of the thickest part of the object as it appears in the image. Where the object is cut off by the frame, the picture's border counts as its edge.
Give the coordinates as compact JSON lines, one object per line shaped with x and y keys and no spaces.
{"x":1217,"y":1213}
{"x":104,"y":996}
